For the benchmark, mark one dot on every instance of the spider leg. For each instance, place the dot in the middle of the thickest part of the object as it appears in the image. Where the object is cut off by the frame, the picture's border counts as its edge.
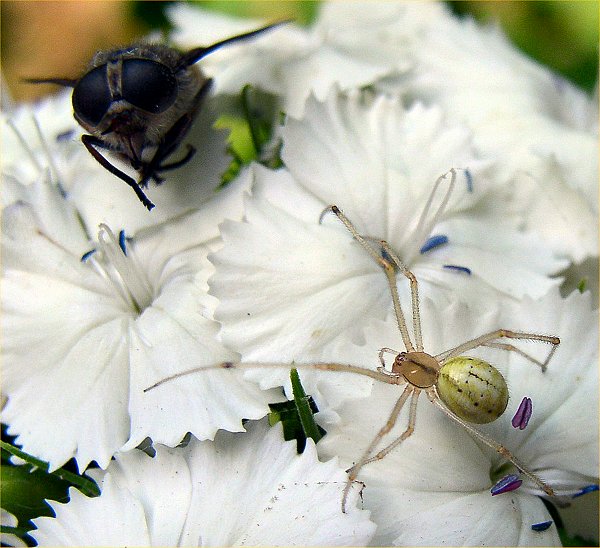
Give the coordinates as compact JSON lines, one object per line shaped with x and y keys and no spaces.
{"x":388,"y":268}
{"x":434,"y":398}
{"x":414,"y":292}
{"x":489,"y":338}
{"x":513,"y":348}
{"x":408,"y":432}
{"x":353,"y":472}
{"x":387,"y":378}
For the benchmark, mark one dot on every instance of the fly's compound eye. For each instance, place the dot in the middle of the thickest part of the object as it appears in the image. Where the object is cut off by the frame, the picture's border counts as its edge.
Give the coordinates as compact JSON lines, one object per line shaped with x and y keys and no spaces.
{"x":92,"y":97}
{"x":148,"y":85}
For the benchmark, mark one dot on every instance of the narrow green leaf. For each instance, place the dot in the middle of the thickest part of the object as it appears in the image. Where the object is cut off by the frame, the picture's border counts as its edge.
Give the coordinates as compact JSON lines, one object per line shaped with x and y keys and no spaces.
{"x":86,"y":485}
{"x":253,"y":123}
{"x":307,"y":419}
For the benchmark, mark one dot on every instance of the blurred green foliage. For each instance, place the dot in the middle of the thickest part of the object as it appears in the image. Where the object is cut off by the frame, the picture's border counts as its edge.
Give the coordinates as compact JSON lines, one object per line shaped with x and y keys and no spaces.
{"x":561,"y":35}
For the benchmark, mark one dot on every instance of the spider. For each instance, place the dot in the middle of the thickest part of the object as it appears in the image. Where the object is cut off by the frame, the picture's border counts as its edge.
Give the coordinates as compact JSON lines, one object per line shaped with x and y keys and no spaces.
{"x":467,"y":390}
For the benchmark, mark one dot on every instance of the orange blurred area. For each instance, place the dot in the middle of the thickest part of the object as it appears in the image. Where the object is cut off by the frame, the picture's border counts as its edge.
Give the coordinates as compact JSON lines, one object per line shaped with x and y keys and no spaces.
{"x":57,"y":38}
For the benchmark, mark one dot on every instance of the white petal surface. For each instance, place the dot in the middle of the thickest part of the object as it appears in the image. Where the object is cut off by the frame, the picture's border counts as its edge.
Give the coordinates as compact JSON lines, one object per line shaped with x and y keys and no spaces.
{"x":250,"y":489}
{"x":563,"y":216}
{"x":434,"y":488}
{"x":287,"y":285}
{"x":289,"y":61}
{"x":78,"y":352}
{"x":515,"y":107}
{"x":114,"y":519}
{"x":288,"y":499}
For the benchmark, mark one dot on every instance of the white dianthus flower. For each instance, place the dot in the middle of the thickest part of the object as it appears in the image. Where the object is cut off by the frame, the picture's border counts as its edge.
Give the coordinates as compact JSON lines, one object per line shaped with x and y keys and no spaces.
{"x":349,"y":45}
{"x":240,"y":490}
{"x":434,"y":488}
{"x":288,"y":285}
{"x":84,"y":337}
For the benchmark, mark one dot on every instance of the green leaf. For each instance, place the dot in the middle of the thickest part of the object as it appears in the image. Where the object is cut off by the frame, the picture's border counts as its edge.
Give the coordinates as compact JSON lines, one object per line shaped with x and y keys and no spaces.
{"x":307,"y":419}
{"x":25,"y":489}
{"x":86,"y":485}
{"x":288,"y":414}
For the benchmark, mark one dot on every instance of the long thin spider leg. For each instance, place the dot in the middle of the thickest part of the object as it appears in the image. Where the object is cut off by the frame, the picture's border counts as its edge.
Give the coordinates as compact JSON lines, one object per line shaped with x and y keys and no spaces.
{"x":388,"y":378}
{"x":388,"y":268}
{"x":414,"y":292}
{"x":412,"y":417}
{"x":353,"y":472}
{"x":513,"y":348}
{"x":422,"y":230}
{"x":434,"y":398}
{"x":483,"y":340}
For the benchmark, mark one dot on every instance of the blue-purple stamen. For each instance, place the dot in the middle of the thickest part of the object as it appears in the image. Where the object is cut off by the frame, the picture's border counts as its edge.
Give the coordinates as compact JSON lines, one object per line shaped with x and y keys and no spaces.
{"x":523,"y":414}
{"x":432,"y":242}
{"x":469,"y":178}
{"x":586,"y":490}
{"x":123,"y":242}
{"x":458,"y":268}
{"x":506,"y":484}
{"x":542,"y":526}
{"x":87,"y":255}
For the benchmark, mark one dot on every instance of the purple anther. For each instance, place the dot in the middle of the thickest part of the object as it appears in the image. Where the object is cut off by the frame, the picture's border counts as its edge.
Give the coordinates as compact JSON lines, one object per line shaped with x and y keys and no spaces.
{"x":458,"y":268}
{"x":506,"y":484}
{"x":432,"y":242}
{"x":586,"y":490}
{"x":542,"y":526}
{"x":123,"y":242}
{"x":523,"y":414}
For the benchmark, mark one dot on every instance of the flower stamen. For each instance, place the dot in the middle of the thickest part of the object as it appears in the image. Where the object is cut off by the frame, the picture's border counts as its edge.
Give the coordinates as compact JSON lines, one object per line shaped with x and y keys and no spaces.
{"x":458,"y":268}
{"x":542,"y":526}
{"x":432,"y":242}
{"x":113,"y":264}
{"x":506,"y":484}
{"x":523,"y":414}
{"x":586,"y":490}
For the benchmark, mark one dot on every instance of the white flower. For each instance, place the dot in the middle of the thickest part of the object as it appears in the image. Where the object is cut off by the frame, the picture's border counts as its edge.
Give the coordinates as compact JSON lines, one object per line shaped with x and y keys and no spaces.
{"x":542,"y":199}
{"x":518,"y":110}
{"x":287,"y":285}
{"x":251,"y":489}
{"x":435,"y":487}
{"x":351,"y":45}
{"x":84,"y":338}
{"x":41,"y":137}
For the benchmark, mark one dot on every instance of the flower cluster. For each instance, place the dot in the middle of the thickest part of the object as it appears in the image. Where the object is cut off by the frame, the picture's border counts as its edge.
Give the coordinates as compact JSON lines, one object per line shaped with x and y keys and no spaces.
{"x":477,"y":166}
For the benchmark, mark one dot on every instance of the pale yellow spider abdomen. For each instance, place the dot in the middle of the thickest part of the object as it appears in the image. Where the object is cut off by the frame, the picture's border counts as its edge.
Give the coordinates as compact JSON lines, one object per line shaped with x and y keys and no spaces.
{"x":472,"y":389}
